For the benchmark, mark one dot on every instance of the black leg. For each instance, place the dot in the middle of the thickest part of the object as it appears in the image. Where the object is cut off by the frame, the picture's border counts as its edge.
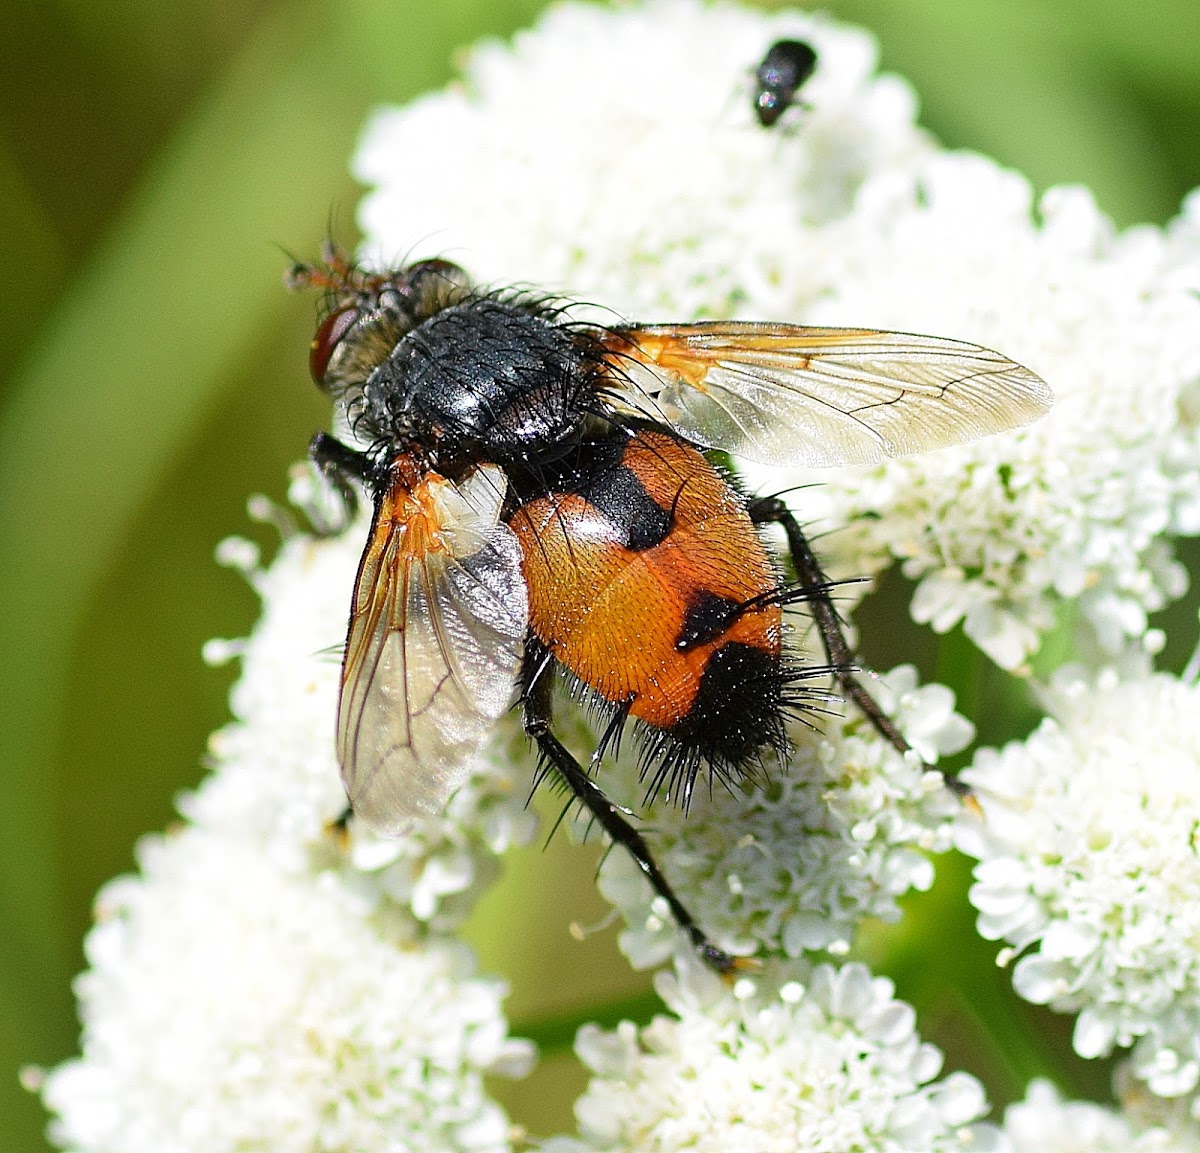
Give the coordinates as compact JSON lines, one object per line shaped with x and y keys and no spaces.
{"x":340,"y":465}
{"x":772,"y":510}
{"x":611,"y":818}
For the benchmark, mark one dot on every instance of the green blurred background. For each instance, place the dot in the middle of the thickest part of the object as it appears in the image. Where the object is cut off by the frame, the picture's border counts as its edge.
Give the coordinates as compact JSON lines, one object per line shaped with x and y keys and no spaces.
{"x":155,"y":159}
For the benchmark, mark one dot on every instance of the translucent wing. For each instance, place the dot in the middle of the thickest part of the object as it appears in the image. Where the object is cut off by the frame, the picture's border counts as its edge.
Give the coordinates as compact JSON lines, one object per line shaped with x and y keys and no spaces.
{"x":788,"y":395}
{"x":436,"y":637}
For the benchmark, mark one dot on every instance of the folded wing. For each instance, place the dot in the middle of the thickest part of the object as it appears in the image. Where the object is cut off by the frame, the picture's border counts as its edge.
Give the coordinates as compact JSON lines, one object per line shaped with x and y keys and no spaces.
{"x":435,"y":642}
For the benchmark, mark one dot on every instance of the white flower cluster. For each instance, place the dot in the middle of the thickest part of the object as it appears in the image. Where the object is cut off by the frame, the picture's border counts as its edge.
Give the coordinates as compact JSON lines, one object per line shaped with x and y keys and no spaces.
{"x":233,"y":1003}
{"x":1044,"y":1123}
{"x":1089,"y":866}
{"x":274,"y":980}
{"x":799,"y":1058}
{"x":796,"y":865}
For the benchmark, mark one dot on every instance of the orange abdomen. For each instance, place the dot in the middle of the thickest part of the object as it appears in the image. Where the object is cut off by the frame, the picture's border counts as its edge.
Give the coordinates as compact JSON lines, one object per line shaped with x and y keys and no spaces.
{"x":641,"y":575}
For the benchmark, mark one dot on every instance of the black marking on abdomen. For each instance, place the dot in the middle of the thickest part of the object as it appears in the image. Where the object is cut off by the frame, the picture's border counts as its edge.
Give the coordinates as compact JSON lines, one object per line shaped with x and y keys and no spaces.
{"x":618,"y":493}
{"x":708,"y":616}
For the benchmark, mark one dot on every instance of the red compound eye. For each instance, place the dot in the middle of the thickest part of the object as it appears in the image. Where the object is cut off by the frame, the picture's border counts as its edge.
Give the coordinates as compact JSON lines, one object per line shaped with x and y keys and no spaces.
{"x":332,"y":329}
